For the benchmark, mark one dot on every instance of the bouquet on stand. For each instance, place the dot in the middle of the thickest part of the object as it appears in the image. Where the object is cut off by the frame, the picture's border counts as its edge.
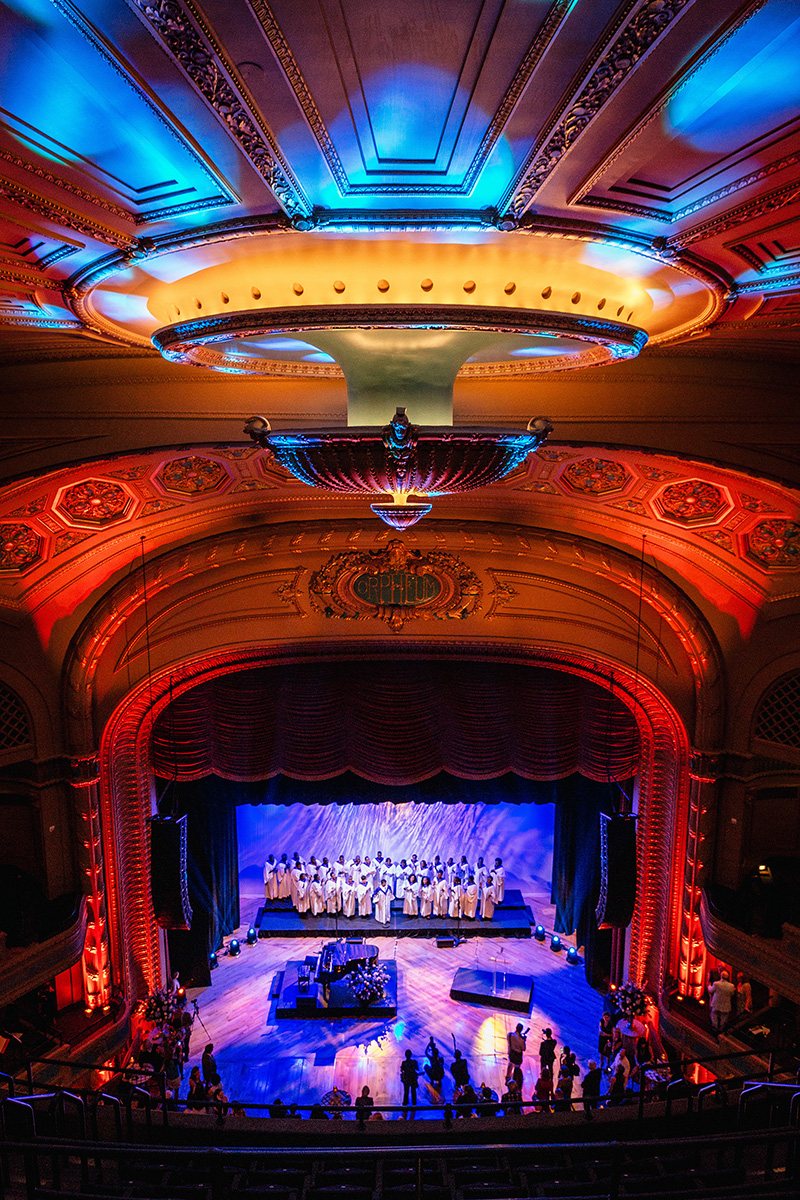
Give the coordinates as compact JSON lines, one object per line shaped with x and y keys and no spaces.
{"x":631,"y":1001}
{"x":368,"y":983}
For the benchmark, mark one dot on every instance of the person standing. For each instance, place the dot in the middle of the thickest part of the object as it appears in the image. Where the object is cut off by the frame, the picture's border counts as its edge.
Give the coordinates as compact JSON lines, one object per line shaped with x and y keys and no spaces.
{"x":302,"y":889}
{"x":470,"y":899}
{"x":499,"y":873}
{"x":411,"y":896}
{"x":441,"y":895}
{"x":284,"y":878}
{"x":209,"y":1066}
{"x":333,"y":894}
{"x":349,"y":897}
{"x":460,"y":1070}
{"x":364,"y":896}
{"x":364,"y":1103}
{"x":605,"y":1038}
{"x":721,"y":993}
{"x":409,"y":1075}
{"x":744,"y":995}
{"x":426,"y":898}
{"x":270,"y":878}
{"x":383,"y":904}
{"x":487,"y":899}
{"x":547,"y":1052}
{"x":591,"y":1088}
{"x":456,"y":896}
{"x":517,"y":1041}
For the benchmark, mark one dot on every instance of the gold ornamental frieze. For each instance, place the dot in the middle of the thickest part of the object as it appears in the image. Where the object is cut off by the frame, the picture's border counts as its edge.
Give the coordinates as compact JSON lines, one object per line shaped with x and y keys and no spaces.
{"x":395,"y":585}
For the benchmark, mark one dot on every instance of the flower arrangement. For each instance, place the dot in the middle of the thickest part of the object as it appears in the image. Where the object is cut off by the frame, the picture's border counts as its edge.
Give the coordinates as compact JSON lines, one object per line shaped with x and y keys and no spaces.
{"x":368,"y":983}
{"x":160,"y":1006}
{"x":631,"y":1000}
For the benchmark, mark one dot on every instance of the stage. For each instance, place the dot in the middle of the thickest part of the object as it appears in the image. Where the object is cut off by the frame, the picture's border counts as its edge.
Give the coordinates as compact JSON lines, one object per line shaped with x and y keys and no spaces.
{"x":277,"y":918}
{"x":496,"y":988}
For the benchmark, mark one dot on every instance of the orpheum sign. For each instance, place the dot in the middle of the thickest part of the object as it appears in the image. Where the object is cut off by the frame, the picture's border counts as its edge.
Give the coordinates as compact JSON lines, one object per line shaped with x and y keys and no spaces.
{"x":395,"y":585}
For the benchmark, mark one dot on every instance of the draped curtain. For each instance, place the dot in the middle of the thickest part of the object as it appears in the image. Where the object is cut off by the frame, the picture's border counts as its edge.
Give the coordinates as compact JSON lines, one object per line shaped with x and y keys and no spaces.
{"x":396,"y":723}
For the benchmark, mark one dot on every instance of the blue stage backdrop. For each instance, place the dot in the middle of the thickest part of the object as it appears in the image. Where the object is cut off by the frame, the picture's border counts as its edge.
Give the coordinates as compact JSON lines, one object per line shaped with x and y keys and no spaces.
{"x":521,"y":834}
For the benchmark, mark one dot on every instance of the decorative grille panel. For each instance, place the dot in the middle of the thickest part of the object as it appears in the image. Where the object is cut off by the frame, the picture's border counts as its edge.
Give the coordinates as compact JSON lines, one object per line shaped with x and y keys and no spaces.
{"x":15,"y":730}
{"x":779,"y":715}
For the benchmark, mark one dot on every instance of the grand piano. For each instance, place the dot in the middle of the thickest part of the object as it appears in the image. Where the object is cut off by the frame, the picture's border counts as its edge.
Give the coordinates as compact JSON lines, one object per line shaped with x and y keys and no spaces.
{"x":339,"y":958}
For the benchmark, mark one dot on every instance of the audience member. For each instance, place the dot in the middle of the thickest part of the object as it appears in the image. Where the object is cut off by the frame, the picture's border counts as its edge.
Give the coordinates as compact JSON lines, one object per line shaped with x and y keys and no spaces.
{"x":591,"y":1087}
{"x":409,"y":1074}
{"x":460,"y":1070}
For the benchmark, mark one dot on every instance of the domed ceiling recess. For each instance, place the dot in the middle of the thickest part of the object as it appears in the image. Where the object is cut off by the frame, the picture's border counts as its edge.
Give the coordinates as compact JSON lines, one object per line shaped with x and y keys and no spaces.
{"x":400,"y":194}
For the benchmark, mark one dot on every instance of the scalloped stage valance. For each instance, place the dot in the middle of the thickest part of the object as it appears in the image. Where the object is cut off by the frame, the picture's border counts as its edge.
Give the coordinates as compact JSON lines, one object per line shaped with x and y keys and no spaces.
{"x":397,"y":722}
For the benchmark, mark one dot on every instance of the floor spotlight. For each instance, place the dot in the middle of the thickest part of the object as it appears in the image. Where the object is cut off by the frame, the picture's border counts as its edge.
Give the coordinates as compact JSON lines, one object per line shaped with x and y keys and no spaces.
{"x":212,"y":960}
{"x":555,"y":943}
{"x":234,"y":948}
{"x":252,"y":936}
{"x":573,"y":958}
{"x":539,"y":933}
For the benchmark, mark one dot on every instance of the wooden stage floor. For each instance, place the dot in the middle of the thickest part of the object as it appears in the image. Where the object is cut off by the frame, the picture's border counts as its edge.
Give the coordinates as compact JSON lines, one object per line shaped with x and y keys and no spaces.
{"x":260,"y":1058}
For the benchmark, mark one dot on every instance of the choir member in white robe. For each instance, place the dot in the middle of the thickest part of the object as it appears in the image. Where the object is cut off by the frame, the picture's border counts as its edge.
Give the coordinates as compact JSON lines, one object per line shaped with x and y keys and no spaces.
{"x":441,"y":896}
{"x":469,"y":900}
{"x":451,"y":870}
{"x":294,"y":882}
{"x":349,"y":897}
{"x":464,"y":870}
{"x":379,"y":862}
{"x":316,"y":897}
{"x":401,"y":879}
{"x":340,"y":867}
{"x":364,"y":895}
{"x":426,"y":898}
{"x":389,"y":874}
{"x":481,"y":873}
{"x":413,"y":865}
{"x":333,"y":893}
{"x":411,"y":896}
{"x":284,"y":879}
{"x":355,"y":867}
{"x":437,"y":867}
{"x":368,"y":871}
{"x":499,"y":873}
{"x":456,"y":897}
{"x":303,"y":901}
{"x":383,"y":903}
{"x":270,"y":878}
{"x":487,"y":900}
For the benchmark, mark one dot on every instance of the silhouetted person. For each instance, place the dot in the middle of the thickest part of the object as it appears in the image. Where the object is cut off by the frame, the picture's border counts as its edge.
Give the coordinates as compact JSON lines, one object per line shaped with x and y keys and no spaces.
{"x":460,"y":1070}
{"x":409,"y":1074}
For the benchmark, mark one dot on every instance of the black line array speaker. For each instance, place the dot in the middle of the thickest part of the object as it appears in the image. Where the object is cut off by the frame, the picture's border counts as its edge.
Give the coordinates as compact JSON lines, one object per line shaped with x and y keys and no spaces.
{"x":617,"y":872}
{"x":168,"y":879}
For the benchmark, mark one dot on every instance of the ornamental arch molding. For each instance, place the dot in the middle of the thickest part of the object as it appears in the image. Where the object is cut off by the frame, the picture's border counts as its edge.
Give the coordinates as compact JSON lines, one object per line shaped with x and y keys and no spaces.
{"x":112,"y":726}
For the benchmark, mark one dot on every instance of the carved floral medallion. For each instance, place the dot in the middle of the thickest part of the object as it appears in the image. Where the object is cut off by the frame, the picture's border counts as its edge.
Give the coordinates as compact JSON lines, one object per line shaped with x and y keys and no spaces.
{"x":192,"y":476}
{"x":19,"y":547}
{"x":95,"y":500}
{"x":596,"y":476}
{"x":395,"y":585}
{"x":691,"y":501}
{"x":775,"y":543}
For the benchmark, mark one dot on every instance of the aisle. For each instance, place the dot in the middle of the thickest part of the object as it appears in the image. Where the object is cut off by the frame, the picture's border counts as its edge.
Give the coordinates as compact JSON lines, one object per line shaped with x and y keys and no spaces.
{"x":299,"y":1061}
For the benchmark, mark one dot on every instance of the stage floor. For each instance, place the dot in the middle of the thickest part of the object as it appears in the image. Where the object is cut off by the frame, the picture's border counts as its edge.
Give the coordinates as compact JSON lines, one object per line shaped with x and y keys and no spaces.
{"x":279,"y":919}
{"x":261,"y":1058}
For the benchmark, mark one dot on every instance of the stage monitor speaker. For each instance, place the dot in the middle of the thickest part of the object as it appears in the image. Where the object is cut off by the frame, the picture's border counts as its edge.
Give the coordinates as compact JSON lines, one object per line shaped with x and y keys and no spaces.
{"x":445,"y":943}
{"x":617,"y":872}
{"x":168,"y":880}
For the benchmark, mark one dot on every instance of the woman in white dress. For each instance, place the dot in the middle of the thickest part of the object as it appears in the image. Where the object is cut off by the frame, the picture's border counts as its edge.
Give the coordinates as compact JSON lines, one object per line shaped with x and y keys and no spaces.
{"x":316,"y":897}
{"x":364,"y":895}
{"x":284,"y":880}
{"x":469,"y":900}
{"x":411,"y":897}
{"x":383,"y":903}
{"x":333,"y":894}
{"x":481,"y":873}
{"x":455,"y":898}
{"x":303,"y":901}
{"x":426,"y":898}
{"x":499,"y":873}
{"x":349,"y":897}
{"x":270,"y":878}
{"x":441,"y":896}
{"x":294,"y":882}
{"x":487,"y":899}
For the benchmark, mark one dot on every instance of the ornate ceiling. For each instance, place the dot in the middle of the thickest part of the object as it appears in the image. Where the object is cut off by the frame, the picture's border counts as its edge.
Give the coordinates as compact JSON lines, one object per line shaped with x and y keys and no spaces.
{"x":588,"y":209}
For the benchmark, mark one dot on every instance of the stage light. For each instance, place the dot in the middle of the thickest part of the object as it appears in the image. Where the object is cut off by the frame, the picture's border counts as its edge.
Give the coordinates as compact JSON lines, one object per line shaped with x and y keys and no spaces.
{"x":555,"y":943}
{"x":573,"y":958}
{"x":234,"y":948}
{"x":539,"y":933}
{"x":181,"y":993}
{"x":252,"y":936}
{"x":212,"y":960}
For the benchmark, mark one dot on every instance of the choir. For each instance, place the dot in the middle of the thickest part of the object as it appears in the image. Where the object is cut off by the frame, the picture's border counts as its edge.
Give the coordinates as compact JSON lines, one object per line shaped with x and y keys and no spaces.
{"x":367,"y":886}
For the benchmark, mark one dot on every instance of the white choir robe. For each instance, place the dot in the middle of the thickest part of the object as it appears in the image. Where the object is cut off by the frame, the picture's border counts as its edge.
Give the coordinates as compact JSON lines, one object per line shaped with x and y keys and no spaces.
{"x":401,"y":879}
{"x":364,"y":894}
{"x":284,"y":881}
{"x":455,"y":901}
{"x":348,"y":899}
{"x":270,"y":880}
{"x":451,"y":870}
{"x":294,"y":883}
{"x":333,"y":895}
{"x":469,"y":900}
{"x":499,"y":884}
{"x":426,"y":899}
{"x":303,"y":901}
{"x":487,"y":902}
{"x":441,"y":897}
{"x":411,"y":898}
{"x":368,"y":871}
{"x":316,"y":898}
{"x":481,"y":874}
{"x":341,"y":870}
{"x":464,"y":870}
{"x":383,"y":905}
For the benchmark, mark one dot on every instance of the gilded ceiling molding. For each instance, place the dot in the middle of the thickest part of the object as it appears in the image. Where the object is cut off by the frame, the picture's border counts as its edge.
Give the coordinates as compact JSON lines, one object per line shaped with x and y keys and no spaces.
{"x":294,"y":77}
{"x":743,"y":213}
{"x":188,"y":39}
{"x":641,"y":31}
{"x":59,"y":214}
{"x":579,"y":196}
{"x":64,"y":185}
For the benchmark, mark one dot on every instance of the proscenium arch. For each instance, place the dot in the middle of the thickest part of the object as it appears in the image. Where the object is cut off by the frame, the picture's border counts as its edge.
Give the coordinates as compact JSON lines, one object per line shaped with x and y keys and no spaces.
{"x":115,"y":711}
